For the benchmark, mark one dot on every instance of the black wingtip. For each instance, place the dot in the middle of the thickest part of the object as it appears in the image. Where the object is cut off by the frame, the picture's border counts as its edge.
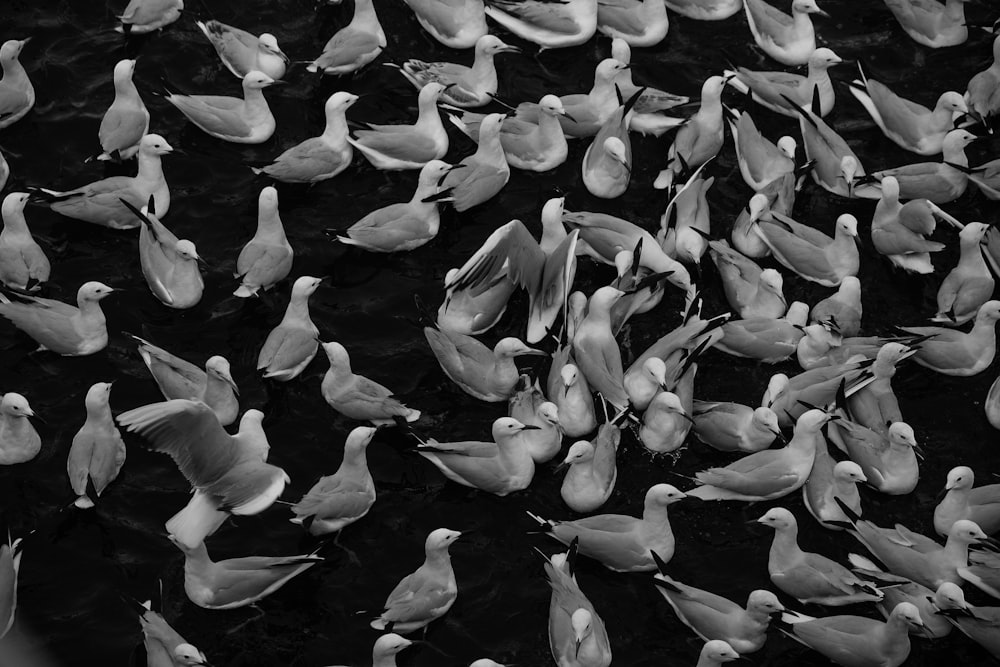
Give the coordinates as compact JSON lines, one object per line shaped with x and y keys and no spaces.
{"x":853,"y":516}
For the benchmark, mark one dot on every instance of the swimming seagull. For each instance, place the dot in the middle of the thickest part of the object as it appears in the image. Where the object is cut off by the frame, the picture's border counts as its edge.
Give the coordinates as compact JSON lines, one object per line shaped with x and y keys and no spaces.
{"x":647,"y":114}
{"x":17,"y":95}
{"x":237,"y":582}
{"x":353,"y":46}
{"x":548,"y":24}
{"x":961,"y":501}
{"x":23,"y":264}
{"x":788,"y":39}
{"x":732,"y":427}
{"x":889,"y":460}
{"x":954,"y":352}
{"x":596,"y":350}
{"x":457,"y":24}
{"x":811,"y":253}
{"x":783,"y":92}
{"x":71,"y":331}
{"x":178,"y":378}
{"x":404,"y":226}
{"x":425,"y":595}
{"x":466,"y":87}
{"x":591,"y":470}
{"x":898,"y":230}
{"x":713,"y":617}
{"x":607,"y":164}
{"x":357,"y":397}
{"x":482,"y":175}
{"x":620,"y":542}
{"x":699,"y":139}
{"x":143,"y":16}
{"x":292,"y":344}
{"x":810,"y":577}
{"x":544,"y":268}
{"x":570,"y":392}
{"x":767,"y":340}
{"x":19,"y":441}
{"x":318,"y":158}
{"x":819,"y":386}
{"x":243,"y":52}
{"x":835,"y":165}
{"x":500,"y":467}
{"x":666,"y":422}
{"x":97,"y":452}
{"x":977,"y":623}
{"x":338,"y":500}
{"x":470,"y":311}
{"x":932,"y":24}
{"x":705,"y":10}
{"x":855,"y":640}
{"x":842,"y":308}
{"x":716,"y":652}
{"x":638,"y":22}
{"x":831,"y":479}
{"x":267,"y":258}
{"x":908,"y":124}
{"x":407,"y":146}
{"x":970,"y":284}
{"x":577,"y":634}
{"x":126,"y":121}
{"x":982,"y":93}
{"x":241,"y":120}
{"x":164,"y":646}
{"x":768,"y":474}
{"x":169,"y":264}
{"x":100,"y":202}
{"x":751,"y":291}
{"x":489,"y":375}
{"x":229,"y":473}
{"x":10,"y":563}
{"x":875,"y":405}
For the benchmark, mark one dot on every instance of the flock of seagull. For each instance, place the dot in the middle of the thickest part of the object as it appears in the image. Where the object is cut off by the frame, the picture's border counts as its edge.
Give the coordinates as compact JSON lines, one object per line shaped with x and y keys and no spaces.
{"x":820,"y":433}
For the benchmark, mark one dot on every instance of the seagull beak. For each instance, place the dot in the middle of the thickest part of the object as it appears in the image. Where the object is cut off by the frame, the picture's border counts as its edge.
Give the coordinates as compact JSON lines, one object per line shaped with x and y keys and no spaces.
{"x":566,"y":114}
{"x":531,"y":427}
{"x":507,"y":48}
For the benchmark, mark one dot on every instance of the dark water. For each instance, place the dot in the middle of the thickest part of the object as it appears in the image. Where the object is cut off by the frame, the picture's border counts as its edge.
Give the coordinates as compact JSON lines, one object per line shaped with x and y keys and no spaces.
{"x":76,"y":564}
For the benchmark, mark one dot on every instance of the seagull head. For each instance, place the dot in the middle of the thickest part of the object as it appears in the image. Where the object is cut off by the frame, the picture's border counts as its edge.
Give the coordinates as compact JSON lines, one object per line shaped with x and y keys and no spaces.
{"x":154,"y":144}
{"x":97,"y":395}
{"x":257,"y":80}
{"x":656,"y":370}
{"x":664,"y":494}
{"x":513,"y":347}
{"x":807,"y":7}
{"x":218,"y":367}
{"x":268,"y":43}
{"x":718,"y":651}
{"x":15,"y":405}
{"x":579,"y":452}
{"x":13,"y":204}
{"x":582,"y":622}
{"x":389,"y":644}
{"x":765,"y":602}
{"x":778,"y":518}
{"x":123,"y":71}
{"x":569,"y":375}
{"x":850,"y":472}
{"x":440,"y":539}
{"x":960,"y":478}
{"x":93,"y":291}
{"x":187,"y":655}
{"x":491,"y":45}
{"x":548,"y":412}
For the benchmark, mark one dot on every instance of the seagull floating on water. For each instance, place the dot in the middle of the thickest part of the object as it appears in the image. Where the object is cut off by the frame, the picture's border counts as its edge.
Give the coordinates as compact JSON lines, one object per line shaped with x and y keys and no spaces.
{"x":241,"y":120}
{"x":17,"y":95}
{"x":353,"y":46}
{"x":71,"y":331}
{"x":292,"y":344}
{"x":23,"y":264}
{"x":243,"y":52}
{"x":126,"y":121}
{"x":97,"y":452}
{"x":19,"y":441}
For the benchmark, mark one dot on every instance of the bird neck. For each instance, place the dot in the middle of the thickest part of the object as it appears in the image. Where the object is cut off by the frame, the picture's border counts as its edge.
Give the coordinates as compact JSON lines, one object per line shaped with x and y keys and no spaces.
{"x":253,"y":100}
{"x":490,"y":150}
{"x":786,"y":541}
{"x":438,"y":559}
{"x":126,"y":90}
{"x":217,"y":390}
{"x":16,"y":425}
{"x":355,"y":459}
{"x":590,"y":649}
{"x":298,"y":308}
{"x":15,"y":226}
{"x":91,"y":310}
{"x":197,"y":555}
{"x":270,"y":229}
{"x":364,"y":14}
{"x":801,"y":22}
{"x":150,"y":167}
{"x":957,"y":552}
{"x":895,"y":634}
{"x":384,"y":661}
{"x":428,"y":118}
{"x":336,"y":129}
{"x":549,"y":126}
{"x":971,"y":257}
{"x":655,"y":514}
{"x":955,"y":154}
{"x":484,"y":72}
{"x":553,"y":231}
{"x":13,"y":72}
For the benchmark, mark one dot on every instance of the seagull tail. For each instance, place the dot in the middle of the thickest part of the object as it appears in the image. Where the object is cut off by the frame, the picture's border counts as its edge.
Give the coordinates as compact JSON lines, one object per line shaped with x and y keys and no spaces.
{"x":244,"y":291}
{"x":199,"y":519}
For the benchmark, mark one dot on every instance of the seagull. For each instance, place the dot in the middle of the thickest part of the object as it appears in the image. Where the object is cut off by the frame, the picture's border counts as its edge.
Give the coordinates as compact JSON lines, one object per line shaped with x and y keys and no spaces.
{"x":237,"y":582}
{"x":785,"y":92}
{"x":144,"y":16}
{"x":620,"y":542}
{"x":788,"y":39}
{"x":470,"y":311}
{"x":970,"y":284}
{"x":889,"y":461}
{"x":855,"y":640}
{"x":940,"y":182}
{"x":10,"y":563}
{"x":71,"y":331}
{"x":835,"y":165}
{"x":875,"y":405}
{"x":169,"y":264}
{"x":898,"y":230}
{"x":545,"y":441}
{"x":831,"y":479}
{"x":292,"y":344}
{"x":733,"y":427}
{"x":100,"y":202}
{"x":699,"y":139}
{"x":126,"y":121}
{"x":425,"y":595}
{"x":768,"y":474}
{"x":767,"y":340}
{"x":811,"y":253}
{"x":571,"y":393}
{"x":760,"y":161}
{"x":338,"y":500}
{"x":705,"y":10}
{"x":500,"y":467}
{"x":457,"y":24}
{"x":544,"y":268}
{"x":665,"y":423}
{"x":713,"y":617}
{"x":982,"y":93}
{"x":178,"y":378}
{"x":489,"y":375}
{"x":577,"y":634}
{"x":548,"y":24}
{"x":23,"y":264}
{"x":810,"y":577}
{"x":647,"y":113}
{"x":229,"y":473}
{"x":953,"y":352}
{"x":977,"y":623}
{"x":742,"y":235}
{"x":396,"y":147}
{"x":909,"y":125}
{"x":607,"y":164}
{"x":596,"y":350}
{"x":483,"y":174}
{"x":164,"y":646}
{"x":404,"y":226}
{"x":843,"y":308}
{"x":686,"y":223}
{"x":241,"y":120}
{"x":357,"y":397}
{"x":19,"y":441}
{"x":716,"y":652}
{"x":318,"y":158}
{"x":961,"y":501}
{"x":638,"y":22}
{"x":591,"y":470}
{"x":353,"y":46}
{"x":751,"y":291}
{"x":243,"y":52}
{"x":819,"y":386}
{"x":385,"y":649}
{"x":931,"y":23}
{"x":17,"y":95}
{"x":267,"y":258}
{"x":466,"y":87}
{"x":97,"y":452}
